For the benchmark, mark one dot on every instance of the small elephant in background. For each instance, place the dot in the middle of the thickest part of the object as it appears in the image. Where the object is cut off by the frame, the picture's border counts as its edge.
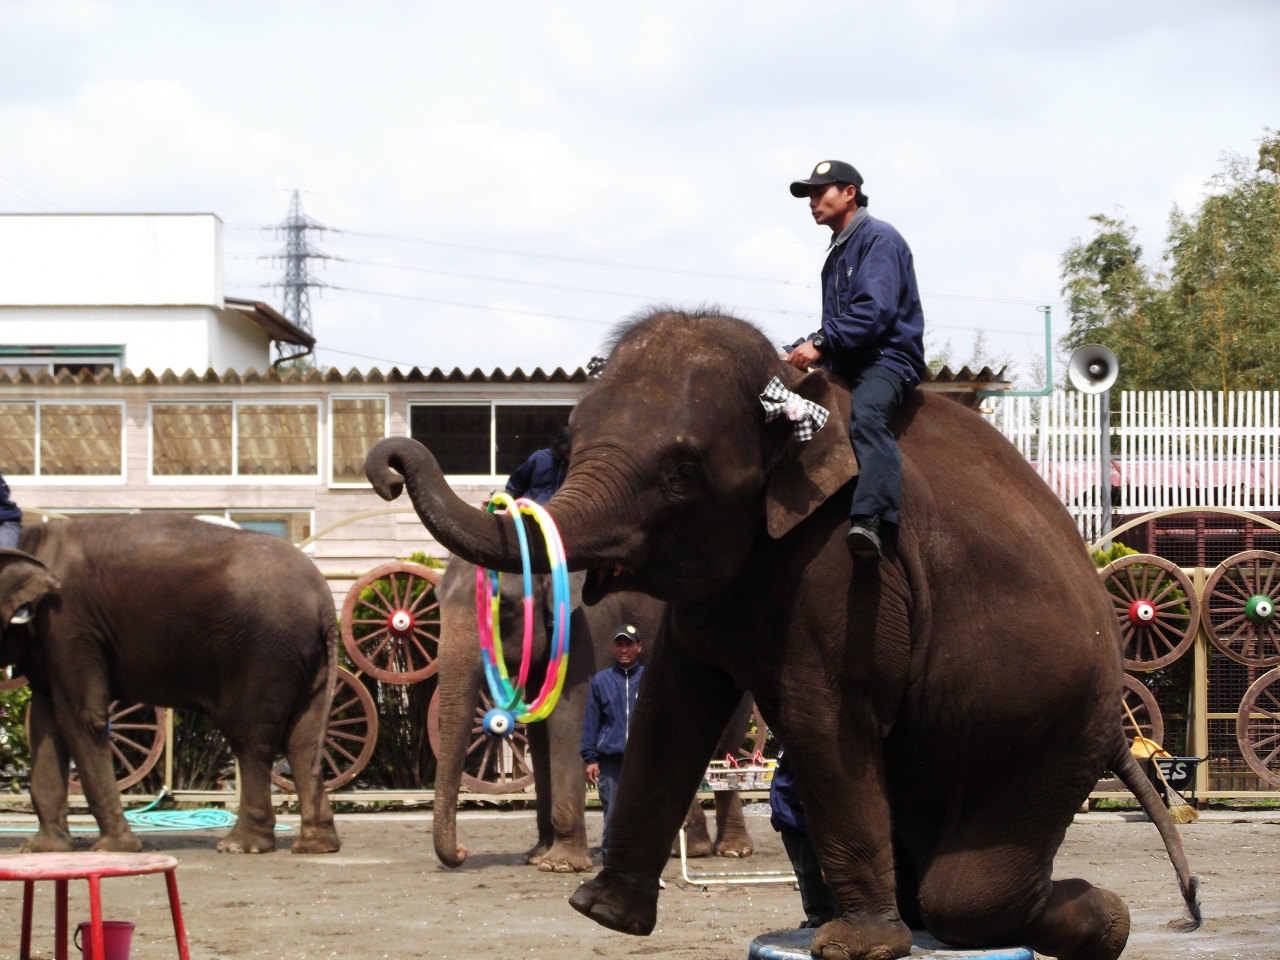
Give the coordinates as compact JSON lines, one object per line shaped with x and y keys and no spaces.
{"x":554,"y":742}
{"x":174,"y":612}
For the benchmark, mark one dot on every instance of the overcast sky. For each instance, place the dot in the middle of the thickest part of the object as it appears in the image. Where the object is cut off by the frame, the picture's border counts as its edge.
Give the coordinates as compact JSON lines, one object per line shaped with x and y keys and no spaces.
{"x":506,"y":180}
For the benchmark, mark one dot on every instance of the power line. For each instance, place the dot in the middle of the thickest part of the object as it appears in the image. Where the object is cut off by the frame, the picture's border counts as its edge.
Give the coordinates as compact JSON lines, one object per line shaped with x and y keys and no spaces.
{"x":489,"y":278}
{"x":471,"y":306}
{"x":583,"y":260}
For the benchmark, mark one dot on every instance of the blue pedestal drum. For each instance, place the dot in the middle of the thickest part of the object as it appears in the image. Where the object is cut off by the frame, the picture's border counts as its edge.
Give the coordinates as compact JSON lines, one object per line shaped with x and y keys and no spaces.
{"x":794,"y":945}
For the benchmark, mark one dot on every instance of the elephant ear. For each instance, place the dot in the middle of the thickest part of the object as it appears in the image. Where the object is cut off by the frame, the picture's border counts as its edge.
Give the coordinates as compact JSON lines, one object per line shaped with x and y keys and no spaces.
{"x":810,"y":471}
{"x":23,"y":580}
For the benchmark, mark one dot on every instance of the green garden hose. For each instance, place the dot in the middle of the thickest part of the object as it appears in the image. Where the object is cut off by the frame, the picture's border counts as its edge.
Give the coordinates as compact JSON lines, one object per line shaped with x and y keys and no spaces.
{"x":149,"y":820}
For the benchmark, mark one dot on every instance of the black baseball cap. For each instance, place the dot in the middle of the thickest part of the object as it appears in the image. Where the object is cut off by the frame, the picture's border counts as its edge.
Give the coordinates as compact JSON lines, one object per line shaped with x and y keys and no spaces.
{"x":828,"y":171}
{"x":628,"y":631}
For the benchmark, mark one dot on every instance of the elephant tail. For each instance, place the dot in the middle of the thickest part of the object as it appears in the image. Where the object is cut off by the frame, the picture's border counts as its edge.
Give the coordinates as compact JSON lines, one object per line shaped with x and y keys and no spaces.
{"x":331,"y":641}
{"x":1126,"y":768}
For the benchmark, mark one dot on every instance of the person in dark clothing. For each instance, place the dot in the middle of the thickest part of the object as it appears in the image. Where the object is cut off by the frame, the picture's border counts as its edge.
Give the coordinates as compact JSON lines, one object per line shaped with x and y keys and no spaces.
{"x":872,"y":336}
{"x":539,"y":477}
{"x":10,"y":518}
{"x":607,"y":723}
{"x":787,"y":817}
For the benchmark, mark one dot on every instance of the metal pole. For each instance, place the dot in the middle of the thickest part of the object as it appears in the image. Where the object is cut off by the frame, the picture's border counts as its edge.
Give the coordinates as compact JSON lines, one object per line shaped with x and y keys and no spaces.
{"x":1104,"y":463}
{"x":168,"y":750}
{"x":1048,"y":365}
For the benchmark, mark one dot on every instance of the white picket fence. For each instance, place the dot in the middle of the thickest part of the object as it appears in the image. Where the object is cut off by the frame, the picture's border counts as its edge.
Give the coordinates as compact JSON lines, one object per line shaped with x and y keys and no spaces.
{"x":1168,"y":449}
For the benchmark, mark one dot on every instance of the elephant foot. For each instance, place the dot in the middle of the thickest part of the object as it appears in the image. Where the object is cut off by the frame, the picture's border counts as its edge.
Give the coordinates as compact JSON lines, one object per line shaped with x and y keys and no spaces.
{"x":1081,"y":922}
{"x":48,"y":841}
{"x":866,"y":938}
{"x":534,"y":855}
{"x":126,"y":842}
{"x":697,"y":842}
{"x":733,"y":843}
{"x":247,"y":841}
{"x":317,"y":839}
{"x":619,"y":906}
{"x":565,"y":858}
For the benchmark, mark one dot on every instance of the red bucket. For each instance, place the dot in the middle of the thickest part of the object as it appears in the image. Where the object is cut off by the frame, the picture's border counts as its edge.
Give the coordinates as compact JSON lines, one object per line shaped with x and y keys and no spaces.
{"x":116,"y":937}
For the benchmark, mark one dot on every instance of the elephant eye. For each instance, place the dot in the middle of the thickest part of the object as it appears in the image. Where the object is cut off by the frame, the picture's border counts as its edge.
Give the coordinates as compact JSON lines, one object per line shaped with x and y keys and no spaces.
{"x":685,"y":477}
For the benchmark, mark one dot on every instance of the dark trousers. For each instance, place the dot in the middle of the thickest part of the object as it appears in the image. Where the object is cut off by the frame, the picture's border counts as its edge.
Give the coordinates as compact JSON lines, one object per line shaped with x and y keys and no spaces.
{"x":815,"y":896}
{"x":875,"y":395}
{"x":610,"y":773}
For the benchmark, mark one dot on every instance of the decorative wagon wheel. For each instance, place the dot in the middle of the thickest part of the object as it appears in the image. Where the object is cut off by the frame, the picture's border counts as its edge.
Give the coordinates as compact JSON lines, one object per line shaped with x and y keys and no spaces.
{"x":10,"y":679}
{"x":1145,"y":710}
{"x":135,"y":734}
{"x":391,"y":622}
{"x":349,"y":739}
{"x":1258,"y":727}
{"x":1157,"y":609}
{"x":1239,"y":611}
{"x":491,"y":765}
{"x":757,"y":735}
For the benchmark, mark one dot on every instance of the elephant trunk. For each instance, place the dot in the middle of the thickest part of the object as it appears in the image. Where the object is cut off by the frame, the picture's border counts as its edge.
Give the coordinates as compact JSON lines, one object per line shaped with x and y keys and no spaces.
{"x":490,"y":540}
{"x":458,"y":688}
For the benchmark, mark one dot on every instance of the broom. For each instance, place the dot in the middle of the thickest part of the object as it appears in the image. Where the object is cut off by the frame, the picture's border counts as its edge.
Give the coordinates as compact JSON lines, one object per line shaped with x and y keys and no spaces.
{"x":1179,"y":809}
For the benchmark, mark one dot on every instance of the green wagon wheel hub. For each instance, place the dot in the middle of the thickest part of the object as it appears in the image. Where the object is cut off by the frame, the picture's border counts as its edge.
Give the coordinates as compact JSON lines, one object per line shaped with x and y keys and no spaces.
{"x":1259,"y":609}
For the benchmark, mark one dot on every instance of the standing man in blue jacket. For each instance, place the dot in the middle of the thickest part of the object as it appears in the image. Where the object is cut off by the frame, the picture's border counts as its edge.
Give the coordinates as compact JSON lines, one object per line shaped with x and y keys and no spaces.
{"x":607,"y":724}
{"x":872,"y":336}
{"x":10,"y":518}
{"x":539,"y":477}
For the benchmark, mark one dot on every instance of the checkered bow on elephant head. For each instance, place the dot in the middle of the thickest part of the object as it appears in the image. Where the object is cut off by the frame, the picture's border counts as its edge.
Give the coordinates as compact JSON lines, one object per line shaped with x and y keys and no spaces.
{"x":806,"y":416}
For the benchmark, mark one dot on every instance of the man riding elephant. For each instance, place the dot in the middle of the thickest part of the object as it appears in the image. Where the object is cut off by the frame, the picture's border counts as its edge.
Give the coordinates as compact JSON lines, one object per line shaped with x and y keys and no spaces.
{"x":947,"y":710}
{"x":872,"y":336}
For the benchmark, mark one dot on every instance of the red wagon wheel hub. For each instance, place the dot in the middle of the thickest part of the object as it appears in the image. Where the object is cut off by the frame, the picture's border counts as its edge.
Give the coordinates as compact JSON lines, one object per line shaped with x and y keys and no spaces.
{"x":1156,"y":609}
{"x":1141,"y":612}
{"x":390,"y":622}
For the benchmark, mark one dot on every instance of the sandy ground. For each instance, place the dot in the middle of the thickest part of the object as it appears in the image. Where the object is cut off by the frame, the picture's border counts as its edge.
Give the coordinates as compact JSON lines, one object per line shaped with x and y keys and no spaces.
{"x":385,"y":896}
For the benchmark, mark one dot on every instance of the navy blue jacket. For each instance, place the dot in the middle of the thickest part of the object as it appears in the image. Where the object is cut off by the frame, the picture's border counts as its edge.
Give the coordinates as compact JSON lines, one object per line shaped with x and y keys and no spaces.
{"x":8,"y":509}
{"x":784,"y":799}
{"x":871,"y":310}
{"x":610,"y":705}
{"x":538,"y":477}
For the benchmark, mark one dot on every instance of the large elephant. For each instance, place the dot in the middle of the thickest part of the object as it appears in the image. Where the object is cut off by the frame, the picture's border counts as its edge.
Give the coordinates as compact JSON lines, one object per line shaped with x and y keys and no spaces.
{"x":553,"y":743}
{"x":947,"y":710}
{"x":171,"y":611}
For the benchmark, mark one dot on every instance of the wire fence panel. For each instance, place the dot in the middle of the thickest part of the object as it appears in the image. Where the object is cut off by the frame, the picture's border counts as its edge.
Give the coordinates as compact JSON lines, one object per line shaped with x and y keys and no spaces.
{"x":1168,"y":449}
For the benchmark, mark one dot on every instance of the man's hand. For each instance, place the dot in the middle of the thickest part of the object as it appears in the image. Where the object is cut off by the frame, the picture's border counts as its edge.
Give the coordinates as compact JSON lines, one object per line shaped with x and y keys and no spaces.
{"x":593,"y":773}
{"x":804,"y":356}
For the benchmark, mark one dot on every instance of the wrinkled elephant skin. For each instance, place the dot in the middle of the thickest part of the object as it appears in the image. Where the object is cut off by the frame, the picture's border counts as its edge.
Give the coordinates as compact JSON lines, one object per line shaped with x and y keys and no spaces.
{"x":173,"y":612}
{"x":947,"y":710}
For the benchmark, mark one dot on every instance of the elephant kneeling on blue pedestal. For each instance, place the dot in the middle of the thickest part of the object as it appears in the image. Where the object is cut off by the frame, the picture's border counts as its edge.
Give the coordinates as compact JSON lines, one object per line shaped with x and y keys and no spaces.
{"x":946,"y":709}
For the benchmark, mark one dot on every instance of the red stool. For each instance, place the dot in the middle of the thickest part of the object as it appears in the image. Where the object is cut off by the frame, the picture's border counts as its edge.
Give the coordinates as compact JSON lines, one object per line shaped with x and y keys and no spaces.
{"x":61,"y":867}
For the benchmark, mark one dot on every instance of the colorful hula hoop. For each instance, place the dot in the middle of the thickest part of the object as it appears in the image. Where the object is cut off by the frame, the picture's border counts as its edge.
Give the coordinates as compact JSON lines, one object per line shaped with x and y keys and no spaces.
{"x":509,"y":705}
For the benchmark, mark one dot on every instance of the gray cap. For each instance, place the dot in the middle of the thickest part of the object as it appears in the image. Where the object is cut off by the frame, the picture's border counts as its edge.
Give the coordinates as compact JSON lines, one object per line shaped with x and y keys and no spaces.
{"x":627,"y":630}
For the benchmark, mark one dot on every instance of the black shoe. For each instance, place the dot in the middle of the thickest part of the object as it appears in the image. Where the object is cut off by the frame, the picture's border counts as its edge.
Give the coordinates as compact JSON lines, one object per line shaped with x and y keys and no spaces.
{"x":864,"y":538}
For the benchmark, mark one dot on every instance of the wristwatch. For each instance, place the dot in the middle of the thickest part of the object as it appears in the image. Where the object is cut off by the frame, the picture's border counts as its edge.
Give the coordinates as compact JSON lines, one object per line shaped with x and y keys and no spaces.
{"x":819,"y":341}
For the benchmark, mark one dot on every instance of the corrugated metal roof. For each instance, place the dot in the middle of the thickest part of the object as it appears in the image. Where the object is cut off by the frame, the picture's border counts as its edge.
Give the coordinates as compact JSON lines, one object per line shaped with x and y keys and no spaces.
{"x":965,"y":375}
{"x":168,"y":378}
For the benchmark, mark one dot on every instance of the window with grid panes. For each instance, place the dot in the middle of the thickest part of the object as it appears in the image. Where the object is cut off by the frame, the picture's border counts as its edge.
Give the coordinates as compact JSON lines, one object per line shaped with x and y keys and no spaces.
{"x":357,"y":424}
{"x":457,"y":434}
{"x":277,"y":439}
{"x":18,"y":439}
{"x":191,"y":440}
{"x":521,"y":430}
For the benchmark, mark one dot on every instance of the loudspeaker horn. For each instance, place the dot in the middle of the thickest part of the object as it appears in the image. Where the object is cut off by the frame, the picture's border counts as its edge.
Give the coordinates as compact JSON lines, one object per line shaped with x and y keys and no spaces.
{"x":1093,"y":368}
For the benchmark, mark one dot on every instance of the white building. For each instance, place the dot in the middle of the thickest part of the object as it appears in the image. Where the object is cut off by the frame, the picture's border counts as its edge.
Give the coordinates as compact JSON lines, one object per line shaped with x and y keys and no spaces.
{"x":127,"y":291}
